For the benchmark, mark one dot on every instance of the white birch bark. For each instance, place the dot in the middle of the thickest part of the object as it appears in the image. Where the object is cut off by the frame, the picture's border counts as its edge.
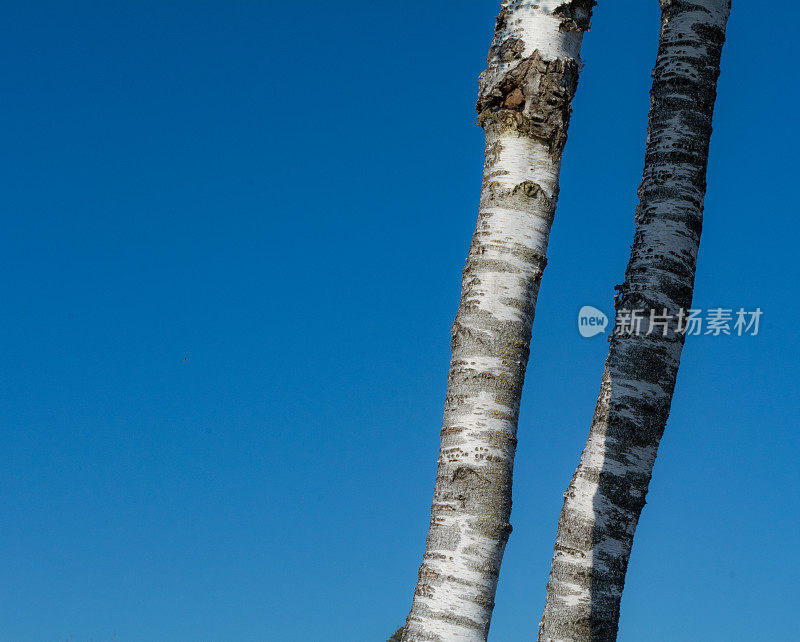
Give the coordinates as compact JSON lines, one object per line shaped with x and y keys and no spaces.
{"x":605,"y":498}
{"x":524,"y":107}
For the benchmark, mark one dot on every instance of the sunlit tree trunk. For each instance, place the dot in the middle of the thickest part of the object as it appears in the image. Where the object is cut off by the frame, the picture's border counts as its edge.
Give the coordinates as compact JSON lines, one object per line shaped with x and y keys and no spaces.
{"x":524,"y":108}
{"x":607,"y":493}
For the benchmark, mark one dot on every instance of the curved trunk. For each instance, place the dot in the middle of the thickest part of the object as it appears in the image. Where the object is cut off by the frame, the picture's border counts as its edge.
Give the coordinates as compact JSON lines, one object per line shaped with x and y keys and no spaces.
{"x":524,"y":107}
{"x":607,"y":493}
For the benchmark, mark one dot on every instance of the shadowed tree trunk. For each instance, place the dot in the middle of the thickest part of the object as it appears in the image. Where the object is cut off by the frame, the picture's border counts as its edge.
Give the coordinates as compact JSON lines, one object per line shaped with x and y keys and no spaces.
{"x":524,"y":108}
{"x":607,"y":493}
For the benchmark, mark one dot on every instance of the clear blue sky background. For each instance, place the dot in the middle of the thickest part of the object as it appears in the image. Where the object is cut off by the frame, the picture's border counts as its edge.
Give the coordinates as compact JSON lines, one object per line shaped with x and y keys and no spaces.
{"x":232,"y":241}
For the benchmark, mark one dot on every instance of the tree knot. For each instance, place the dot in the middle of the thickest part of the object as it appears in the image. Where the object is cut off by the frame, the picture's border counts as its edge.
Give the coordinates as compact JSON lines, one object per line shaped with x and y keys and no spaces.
{"x":533,"y":97}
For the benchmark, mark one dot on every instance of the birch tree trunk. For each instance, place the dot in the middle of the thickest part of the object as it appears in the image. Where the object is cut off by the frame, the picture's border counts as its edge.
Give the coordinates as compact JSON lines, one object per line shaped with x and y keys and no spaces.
{"x":524,"y":107}
{"x":607,"y":493}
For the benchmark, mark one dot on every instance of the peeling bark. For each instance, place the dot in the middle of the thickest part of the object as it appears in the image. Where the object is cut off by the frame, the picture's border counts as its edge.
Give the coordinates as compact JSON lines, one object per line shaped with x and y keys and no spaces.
{"x":607,"y":494}
{"x":524,"y":107}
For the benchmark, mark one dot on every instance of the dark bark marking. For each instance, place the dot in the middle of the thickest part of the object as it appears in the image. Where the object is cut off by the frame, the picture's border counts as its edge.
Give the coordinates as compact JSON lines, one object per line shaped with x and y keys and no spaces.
{"x":577,"y":15}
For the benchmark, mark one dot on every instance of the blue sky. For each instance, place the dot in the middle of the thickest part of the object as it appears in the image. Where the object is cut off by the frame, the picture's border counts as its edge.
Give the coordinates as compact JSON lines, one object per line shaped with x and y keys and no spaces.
{"x":233,"y":234}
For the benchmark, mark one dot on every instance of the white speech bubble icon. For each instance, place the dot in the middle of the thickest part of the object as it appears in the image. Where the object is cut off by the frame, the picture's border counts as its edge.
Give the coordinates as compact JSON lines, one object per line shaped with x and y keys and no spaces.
{"x":591,"y":321}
